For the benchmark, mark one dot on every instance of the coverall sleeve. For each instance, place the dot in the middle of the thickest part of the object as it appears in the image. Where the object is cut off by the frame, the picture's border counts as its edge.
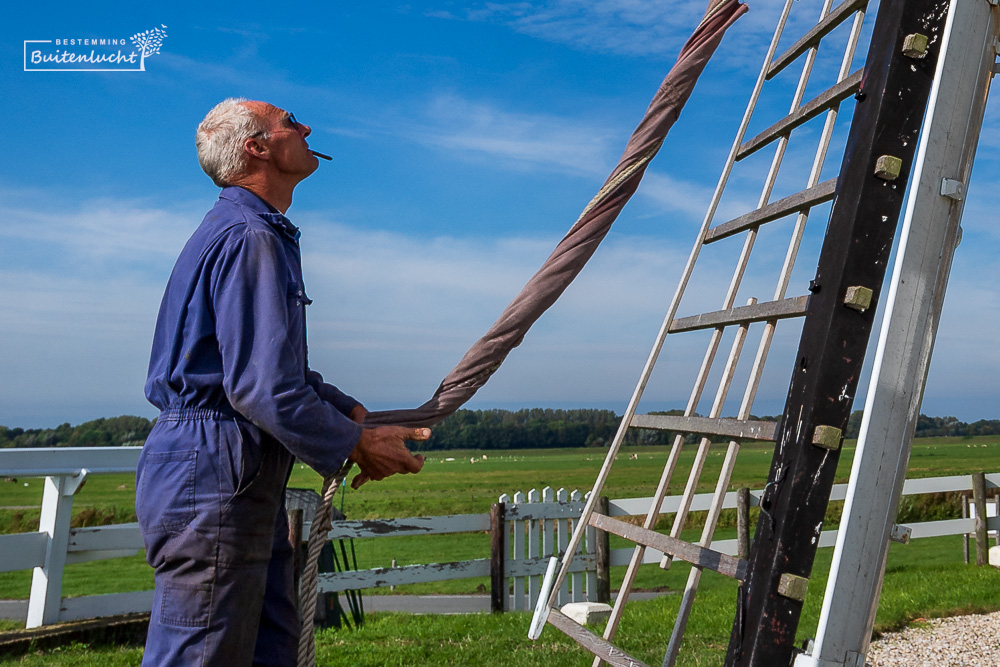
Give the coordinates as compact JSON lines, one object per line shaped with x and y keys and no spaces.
{"x":264,"y":374}
{"x":331,"y":394}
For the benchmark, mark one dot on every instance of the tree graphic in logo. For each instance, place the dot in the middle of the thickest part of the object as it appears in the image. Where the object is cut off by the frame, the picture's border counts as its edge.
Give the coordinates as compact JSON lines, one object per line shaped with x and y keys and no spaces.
{"x":148,"y":43}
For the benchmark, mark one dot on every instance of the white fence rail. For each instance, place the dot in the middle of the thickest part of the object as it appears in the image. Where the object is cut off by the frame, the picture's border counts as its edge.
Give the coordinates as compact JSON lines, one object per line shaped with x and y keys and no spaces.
{"x":56,"y":545}
{"x":536,"y":525}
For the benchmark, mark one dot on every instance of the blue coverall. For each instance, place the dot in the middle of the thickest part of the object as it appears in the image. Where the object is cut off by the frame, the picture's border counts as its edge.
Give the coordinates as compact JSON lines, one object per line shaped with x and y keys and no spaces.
{"x":238,"y":404}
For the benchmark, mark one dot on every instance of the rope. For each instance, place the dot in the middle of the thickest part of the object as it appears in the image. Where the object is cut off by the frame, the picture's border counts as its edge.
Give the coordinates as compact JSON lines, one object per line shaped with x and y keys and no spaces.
{"x":308,"y":591}
{"x":543,"y":288}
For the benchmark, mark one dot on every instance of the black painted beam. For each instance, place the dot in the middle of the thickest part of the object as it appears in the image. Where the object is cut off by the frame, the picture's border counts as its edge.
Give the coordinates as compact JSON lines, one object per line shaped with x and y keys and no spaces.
{"x":836,"y":330}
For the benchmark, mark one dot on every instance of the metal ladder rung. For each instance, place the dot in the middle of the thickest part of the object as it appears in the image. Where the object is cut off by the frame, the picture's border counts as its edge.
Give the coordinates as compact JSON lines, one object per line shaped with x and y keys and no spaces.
{"x":600,"y":647}
{"x":828,"y":99}
{"x":738,"y":429}
{"x":692,"y":553}
{"x":812,"y":38}
{"x":760,"y":312}
{"x":799,"y":201}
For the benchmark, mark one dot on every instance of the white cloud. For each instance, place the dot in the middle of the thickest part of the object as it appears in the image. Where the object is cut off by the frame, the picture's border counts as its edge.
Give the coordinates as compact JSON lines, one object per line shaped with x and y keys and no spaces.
{"x":644,"y":28}
{"x":632,"y":27}
{"x":98,"y":232}
{"x":469,"y":129}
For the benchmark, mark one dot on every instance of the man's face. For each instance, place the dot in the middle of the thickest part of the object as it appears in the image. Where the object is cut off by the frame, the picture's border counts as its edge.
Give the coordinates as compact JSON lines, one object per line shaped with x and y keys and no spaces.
{"x":287,"y":147}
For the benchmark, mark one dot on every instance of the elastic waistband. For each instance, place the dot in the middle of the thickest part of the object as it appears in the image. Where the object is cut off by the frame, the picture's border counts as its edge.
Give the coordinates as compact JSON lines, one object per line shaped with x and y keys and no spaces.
{"x":187,"y":414}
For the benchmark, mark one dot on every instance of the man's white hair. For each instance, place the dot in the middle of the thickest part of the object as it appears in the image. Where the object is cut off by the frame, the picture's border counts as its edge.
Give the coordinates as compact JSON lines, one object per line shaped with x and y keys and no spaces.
{"x":221,"y":136}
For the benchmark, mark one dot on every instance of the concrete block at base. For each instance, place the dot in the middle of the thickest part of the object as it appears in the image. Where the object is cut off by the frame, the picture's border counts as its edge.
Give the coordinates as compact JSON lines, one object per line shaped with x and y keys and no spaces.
{"x":995,"y":556}
{"x":586,"y":613}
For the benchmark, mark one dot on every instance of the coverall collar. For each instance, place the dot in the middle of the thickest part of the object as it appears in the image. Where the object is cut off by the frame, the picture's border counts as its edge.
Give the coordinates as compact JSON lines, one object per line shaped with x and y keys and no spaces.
{"x":258,"y":206}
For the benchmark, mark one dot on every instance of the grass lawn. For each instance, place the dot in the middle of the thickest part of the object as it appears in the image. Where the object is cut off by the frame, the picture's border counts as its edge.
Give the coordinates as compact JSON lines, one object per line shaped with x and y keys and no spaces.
{"x":925,"y":578}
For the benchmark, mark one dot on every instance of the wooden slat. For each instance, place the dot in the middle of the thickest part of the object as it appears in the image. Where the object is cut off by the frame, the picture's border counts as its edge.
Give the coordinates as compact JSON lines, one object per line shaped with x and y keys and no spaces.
{"x":600,"y":647}
{"x":828,"y":99}
{"x":112,"y":604}
{"x":733,"y":428}
{"x":99,"y":554}
{"x":423,"y":525}
{"x":768,"y":310}
{"x":812,"y":38}
{"x":700,"y":502}
{"x":119,"y":537}
{"x":941,"y":528}
{"x":938,"y":484}
{"x":800,"y":201}
{"x":533,"y":511}
{"x":534,"y":567}
{"x":408,"y":574}
{"x":22,"y":551}
{"x":67,"y":461}
{"x":692,"y":553}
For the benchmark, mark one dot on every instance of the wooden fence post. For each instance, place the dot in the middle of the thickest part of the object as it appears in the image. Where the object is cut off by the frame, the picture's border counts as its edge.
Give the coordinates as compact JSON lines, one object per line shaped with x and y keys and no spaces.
{"x":965,"y":536}
{"x":498,"y":556}
{"x":979,"y":500}
{"x":603,"y":554}
{"x":743,"y":522}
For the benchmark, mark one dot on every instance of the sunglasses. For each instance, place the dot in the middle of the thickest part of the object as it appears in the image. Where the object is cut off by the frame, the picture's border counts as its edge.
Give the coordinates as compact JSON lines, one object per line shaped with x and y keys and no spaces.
{"x":291,"y":121}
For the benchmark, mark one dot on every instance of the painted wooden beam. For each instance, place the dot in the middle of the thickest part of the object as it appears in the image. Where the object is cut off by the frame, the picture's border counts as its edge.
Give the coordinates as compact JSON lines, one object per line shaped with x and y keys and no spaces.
{"x":892,"y":97}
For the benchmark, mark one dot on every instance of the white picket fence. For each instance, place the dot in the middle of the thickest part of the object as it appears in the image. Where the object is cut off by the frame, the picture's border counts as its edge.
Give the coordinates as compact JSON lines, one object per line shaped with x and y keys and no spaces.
{"x":535,"y":526}
{"x":541,"y":526}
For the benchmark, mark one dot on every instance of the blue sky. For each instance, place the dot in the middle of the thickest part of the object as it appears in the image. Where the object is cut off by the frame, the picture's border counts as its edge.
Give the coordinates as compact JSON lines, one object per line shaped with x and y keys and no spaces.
{"x":467,"y":137}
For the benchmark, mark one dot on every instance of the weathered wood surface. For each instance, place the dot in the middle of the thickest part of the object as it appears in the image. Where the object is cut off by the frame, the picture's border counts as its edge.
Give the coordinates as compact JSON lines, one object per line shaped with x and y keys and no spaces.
{"x":22,"y":551}
{"x":739,"y":429}
{"x":596,"y":645}
{"x":692,"y":553}
{"x":498,"y":557}
{"x":826,"y":100}
{"x":425,"y":525}
{"x":834,"y":338}
{"x":406,"y":574}
{"x":979,"y":500}
{"x":67,"y":461}
{"x":75,"y":609}
{"x":836,"y":16}
{"x":758,"y":312}
{"x":105,"y":538}
{"x":699,"y":503}
{"x":800,"y":201}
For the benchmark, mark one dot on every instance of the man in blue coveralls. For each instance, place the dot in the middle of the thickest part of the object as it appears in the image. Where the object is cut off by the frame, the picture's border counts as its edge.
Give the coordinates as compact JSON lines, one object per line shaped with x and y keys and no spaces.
{"x":238,"y":405}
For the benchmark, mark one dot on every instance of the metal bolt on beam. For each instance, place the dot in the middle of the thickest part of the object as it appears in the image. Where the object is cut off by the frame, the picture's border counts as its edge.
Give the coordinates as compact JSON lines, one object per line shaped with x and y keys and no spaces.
{"x":855,"y":659}
{"x":827,"y":437}
{"x":887,"y":167}
{"x":793,"y":587}
{"x":915,"y":45}
{"x":858,"y":298}
{"x":900,"y":534}
{"x":952,"y":189}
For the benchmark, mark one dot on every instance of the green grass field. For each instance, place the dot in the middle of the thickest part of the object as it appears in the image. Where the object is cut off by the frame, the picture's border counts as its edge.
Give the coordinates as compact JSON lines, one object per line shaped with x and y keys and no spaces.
{"x":925,"y":578}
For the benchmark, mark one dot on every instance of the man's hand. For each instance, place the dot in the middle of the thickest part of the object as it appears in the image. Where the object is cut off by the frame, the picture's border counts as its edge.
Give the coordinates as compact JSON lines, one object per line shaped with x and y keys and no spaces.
{"x":381,"y":453}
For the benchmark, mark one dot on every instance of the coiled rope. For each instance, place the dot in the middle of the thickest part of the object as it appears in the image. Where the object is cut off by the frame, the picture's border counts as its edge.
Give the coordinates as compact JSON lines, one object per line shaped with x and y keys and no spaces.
{"x":308,"y":589}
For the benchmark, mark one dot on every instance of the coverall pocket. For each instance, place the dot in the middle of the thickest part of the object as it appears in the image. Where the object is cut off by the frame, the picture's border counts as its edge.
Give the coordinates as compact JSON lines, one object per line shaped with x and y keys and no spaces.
{"x":246,"y":459}
{"x":187,"y":606}
{"x":166,"y":490}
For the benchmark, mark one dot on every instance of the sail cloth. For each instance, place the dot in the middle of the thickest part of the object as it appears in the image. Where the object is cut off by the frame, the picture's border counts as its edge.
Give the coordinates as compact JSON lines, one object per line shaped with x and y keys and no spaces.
{"x":579,"y":244}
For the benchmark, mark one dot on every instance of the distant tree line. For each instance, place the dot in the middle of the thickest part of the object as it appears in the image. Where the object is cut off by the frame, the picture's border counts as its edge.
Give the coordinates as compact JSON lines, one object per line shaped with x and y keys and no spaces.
{"x":535,"y":428}
{"x":113,"y":432}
